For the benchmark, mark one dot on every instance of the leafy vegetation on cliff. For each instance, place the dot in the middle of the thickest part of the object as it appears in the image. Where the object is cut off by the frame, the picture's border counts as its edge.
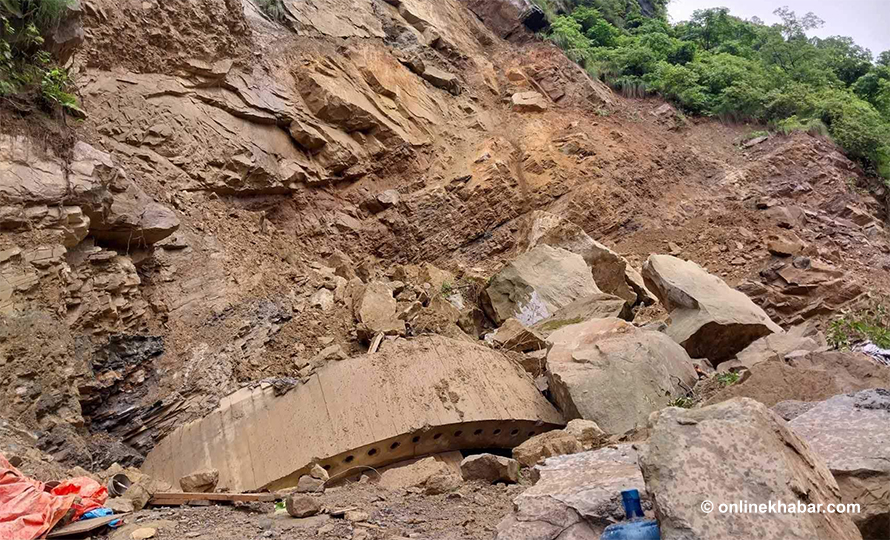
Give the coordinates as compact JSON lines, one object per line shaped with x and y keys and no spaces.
{"x":28,"y":71}
{"x":718,"y":64}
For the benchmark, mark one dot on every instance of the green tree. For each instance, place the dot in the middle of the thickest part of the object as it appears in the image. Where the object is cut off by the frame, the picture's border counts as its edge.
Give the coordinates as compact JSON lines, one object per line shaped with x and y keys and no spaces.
{"x":842,"y":56}
{"x":794,"y":27}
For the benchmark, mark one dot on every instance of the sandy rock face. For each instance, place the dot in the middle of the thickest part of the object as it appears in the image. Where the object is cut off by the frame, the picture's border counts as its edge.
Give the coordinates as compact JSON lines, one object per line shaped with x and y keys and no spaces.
{"x":537,"y":284}
{"x":504,"y":17}
{"x":615,"y":374}
{"x":86,"y":194}
{"x":851,"y":433}
{"x":708,"y":318}
{"x":737,"y":451}
{"x":576,"y":497}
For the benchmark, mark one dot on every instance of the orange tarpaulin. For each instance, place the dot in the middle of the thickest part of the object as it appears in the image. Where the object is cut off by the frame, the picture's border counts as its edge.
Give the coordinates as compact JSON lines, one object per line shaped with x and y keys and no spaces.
{"x":28,"y":511}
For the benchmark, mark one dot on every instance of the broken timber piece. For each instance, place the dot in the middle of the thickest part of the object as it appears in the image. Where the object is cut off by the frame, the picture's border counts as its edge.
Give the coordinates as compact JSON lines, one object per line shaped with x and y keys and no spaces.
{"x":413,"y":397}
{"x":78,"y":528}
{"x":375,"y":343}
{"x":175,"y":498}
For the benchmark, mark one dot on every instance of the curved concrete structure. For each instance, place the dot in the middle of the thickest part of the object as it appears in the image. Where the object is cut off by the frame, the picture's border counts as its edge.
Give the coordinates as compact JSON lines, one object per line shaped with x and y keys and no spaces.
{"x":412,"y":398}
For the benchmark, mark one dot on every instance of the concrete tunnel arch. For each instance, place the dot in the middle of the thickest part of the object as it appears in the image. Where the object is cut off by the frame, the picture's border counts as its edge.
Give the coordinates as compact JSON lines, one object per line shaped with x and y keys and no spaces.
{"x":413,"y":398}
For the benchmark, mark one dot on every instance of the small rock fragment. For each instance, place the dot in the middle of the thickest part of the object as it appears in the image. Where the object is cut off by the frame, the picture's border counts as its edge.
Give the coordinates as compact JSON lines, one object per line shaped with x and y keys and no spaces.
{"x":529,"y":102}
{"x":356,"y":515}
{"x":318,"y":472}
{"x":143,"y":533}
{"x":301,"y":506}
{"x":308,"y":484}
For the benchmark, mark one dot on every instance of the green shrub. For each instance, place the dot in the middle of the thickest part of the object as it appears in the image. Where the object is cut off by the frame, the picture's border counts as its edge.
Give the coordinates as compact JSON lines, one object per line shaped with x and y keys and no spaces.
{"x":27,"y":71}
{"x":683,"y":402}
{"x":871,"y":324}
{"x":274,"y":9}
{"x":729,"y":378}
{"x":756,"y":134}
{"x":792,"y":124}
{"x":566,"y":33}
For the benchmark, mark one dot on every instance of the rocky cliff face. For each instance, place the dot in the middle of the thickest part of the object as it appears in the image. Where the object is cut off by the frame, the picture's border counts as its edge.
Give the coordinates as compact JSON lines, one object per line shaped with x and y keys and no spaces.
{"x":240,"y":177}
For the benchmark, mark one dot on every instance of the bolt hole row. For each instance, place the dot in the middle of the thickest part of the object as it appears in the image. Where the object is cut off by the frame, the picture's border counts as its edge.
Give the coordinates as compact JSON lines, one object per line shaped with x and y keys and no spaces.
{"x":437,"y":436}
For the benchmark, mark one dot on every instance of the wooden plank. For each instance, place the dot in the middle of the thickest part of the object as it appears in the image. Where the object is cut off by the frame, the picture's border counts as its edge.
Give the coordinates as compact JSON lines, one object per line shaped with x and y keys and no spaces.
{"x":173,"y":498}
{"x":83,"y":526}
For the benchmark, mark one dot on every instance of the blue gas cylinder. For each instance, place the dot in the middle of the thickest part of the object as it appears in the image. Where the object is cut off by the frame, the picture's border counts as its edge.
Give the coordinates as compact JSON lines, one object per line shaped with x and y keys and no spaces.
{"x":637,"y":527}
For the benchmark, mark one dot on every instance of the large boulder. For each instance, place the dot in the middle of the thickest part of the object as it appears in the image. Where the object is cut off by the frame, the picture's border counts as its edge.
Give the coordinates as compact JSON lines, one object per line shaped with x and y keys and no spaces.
{"x":545,"y":445}
{"x":807,"y":376}
{"x":611,"y":272}
{"x":731,"y":452}
{"x":537,"y":284}
{"x":65,"y":33}
{"x":611,"y":372}
{"x":576,"y":497}
{"x":851,"y":433}
{"x":375,"y":310}
{"x":302,"y":506}
{"x":708,"y":318}
{"x":134,"y":219}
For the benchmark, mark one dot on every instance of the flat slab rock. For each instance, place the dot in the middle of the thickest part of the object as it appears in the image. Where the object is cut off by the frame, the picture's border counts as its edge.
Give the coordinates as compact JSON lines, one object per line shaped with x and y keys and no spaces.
{"x":851,"y":432}
{"x":803,"y":337}
{"x":598,"y":306}
{"x":577,"y":496}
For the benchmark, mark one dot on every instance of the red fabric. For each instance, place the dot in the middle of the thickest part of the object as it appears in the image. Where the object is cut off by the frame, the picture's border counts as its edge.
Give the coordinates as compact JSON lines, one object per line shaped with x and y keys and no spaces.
{"x":92,"y":494}
{"x":28,"y":512}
